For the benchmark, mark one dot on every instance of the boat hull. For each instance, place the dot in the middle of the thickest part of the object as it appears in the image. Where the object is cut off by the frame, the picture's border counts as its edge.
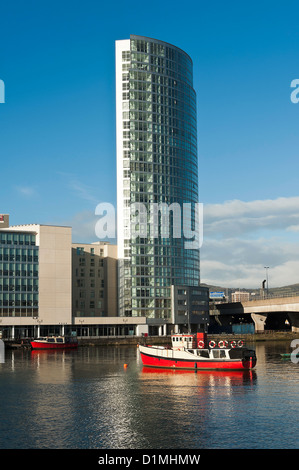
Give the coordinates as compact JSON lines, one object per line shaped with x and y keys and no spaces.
{"x":40,"y":345}
{"x":152,"y":357}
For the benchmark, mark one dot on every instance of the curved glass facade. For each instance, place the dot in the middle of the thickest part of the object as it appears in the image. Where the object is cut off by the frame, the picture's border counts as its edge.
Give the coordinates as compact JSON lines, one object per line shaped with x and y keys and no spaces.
{"x":157,"y":168}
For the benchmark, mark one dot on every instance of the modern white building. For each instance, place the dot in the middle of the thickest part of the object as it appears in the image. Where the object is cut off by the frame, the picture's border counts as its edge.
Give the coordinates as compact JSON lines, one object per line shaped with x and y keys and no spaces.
{"x":35,"y":279}
{"x":157,"y":183}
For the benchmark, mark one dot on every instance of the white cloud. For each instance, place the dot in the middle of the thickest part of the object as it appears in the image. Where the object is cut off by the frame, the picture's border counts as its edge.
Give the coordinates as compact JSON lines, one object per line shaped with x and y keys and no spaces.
{"x":239,"y":217}
{"x":241,"y":238}
{"x":27,"y":191}
{"x":83,"y":227}
{"x":83,"y":224}
{"x":78,"y":188}
{"x":293,"y":228}
{"x":82,"y":191}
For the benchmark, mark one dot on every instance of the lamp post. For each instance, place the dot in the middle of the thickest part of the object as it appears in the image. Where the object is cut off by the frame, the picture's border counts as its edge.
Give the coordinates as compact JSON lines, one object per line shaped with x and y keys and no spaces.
{"x":266,"y":268}
{"x":38,"y":321}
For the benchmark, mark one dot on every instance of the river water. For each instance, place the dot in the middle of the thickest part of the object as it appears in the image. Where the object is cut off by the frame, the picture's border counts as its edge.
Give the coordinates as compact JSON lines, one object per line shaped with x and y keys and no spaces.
{"x":87,"y":399}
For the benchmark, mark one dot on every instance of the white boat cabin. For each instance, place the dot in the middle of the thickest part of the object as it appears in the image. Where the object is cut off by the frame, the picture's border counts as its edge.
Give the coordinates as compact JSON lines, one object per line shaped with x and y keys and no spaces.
{"x":56,"y":339}
{"x":180,"y":341}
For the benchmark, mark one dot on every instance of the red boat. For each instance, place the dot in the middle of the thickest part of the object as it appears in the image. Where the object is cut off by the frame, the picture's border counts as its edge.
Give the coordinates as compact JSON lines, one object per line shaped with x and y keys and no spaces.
{"x":192,"y":351}
{"x":55,"y":342}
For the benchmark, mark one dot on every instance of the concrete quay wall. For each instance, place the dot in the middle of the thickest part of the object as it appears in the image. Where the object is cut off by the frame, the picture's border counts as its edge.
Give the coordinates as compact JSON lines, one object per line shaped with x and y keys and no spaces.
{"x":164,"y":340}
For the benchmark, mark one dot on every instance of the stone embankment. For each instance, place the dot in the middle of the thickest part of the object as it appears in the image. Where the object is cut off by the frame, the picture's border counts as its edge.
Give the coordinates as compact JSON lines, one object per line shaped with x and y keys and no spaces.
{"x":163,"y":340}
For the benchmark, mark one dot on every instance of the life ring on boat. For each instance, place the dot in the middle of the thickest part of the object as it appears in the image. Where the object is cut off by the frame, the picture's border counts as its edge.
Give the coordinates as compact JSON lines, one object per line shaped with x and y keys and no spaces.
{"x":221,"y":344}
{"x":201,"y":344}
{"x":212,"y":344}
{"x":240,"y":343}
{"x":233,"y":344}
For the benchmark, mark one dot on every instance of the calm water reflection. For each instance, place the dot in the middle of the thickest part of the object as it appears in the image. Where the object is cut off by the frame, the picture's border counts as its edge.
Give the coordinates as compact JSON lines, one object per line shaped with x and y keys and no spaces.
{"x":87,"y":399}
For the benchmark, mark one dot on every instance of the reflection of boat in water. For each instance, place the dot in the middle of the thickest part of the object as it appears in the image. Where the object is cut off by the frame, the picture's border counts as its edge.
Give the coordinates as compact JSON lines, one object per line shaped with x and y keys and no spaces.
{"x":203,"y":372}
{"x":191,"y":351}
{"x":51,"y":352}
{"x":212,"y":377}
{"x":55,"y":342}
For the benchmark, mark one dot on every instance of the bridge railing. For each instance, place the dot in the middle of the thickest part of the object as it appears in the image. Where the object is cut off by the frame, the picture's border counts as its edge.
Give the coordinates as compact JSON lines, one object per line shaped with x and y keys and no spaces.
{"x":264,"y":296}
{"x":273,"y":296}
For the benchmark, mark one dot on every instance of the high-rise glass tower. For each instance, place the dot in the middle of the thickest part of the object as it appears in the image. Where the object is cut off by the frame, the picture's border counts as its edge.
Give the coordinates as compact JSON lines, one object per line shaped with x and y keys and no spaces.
{"x":156,"y":168}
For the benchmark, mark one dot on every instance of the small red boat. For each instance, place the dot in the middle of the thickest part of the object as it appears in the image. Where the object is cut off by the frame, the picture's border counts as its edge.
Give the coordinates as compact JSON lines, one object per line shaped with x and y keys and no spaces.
{"x":192,"y":351}
{"x":55,"y":342}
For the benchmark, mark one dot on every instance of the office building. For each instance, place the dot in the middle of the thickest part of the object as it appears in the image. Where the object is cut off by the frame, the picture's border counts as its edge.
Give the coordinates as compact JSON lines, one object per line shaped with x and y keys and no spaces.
{"x":35,"y":279}
{"x":157,"y":171}
{"x":94,"y":277}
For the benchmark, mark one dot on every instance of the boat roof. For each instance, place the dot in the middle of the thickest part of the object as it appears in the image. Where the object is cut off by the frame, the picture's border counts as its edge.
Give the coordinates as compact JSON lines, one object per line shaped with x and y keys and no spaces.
{"x":184,"y":334}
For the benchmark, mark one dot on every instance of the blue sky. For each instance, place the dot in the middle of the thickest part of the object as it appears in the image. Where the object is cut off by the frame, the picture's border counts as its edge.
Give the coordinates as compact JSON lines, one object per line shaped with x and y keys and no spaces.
{"x":57,"y":126}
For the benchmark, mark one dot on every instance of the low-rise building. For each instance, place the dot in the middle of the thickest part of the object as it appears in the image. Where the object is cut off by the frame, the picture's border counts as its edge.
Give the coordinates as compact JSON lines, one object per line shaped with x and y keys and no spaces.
{"x":94,"y":278}
{"x":190,"y":307}
{"x":35,"y":279}
{"x":240,"y":296}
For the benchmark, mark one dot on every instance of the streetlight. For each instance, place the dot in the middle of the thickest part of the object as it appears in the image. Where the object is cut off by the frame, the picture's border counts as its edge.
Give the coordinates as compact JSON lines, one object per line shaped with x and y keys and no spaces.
{"x":266,"y":268}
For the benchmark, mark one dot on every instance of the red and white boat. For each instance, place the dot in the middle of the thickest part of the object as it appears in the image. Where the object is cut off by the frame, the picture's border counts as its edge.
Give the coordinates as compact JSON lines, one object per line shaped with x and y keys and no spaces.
{"x":55,"y":342}
{"x":192,"y":351}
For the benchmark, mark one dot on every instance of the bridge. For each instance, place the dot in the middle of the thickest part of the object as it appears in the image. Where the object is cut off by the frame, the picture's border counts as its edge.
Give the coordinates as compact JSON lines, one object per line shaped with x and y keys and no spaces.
{"x":265,"y":313}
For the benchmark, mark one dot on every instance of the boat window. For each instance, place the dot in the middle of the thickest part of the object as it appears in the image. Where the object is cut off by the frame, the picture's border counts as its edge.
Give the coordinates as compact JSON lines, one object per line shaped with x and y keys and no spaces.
{"x":235,"y":353}
{"x":202,"y":353}
{"x":218,"y":353}
{"x":51,"y":340}
{"x":59,"y":340}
